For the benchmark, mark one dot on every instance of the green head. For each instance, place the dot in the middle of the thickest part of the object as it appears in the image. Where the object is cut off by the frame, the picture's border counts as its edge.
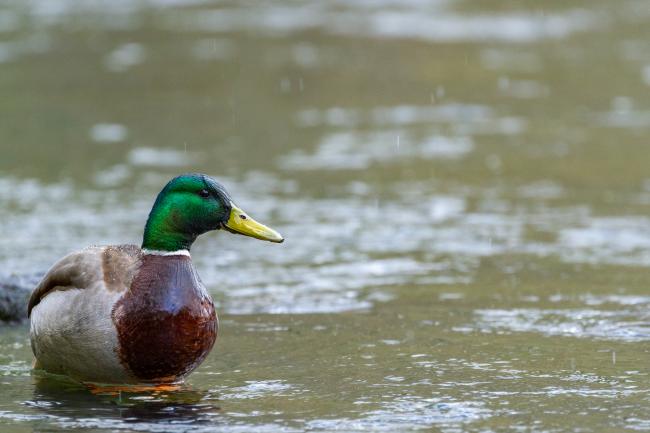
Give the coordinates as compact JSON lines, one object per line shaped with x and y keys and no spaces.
{"x":192,"y":204}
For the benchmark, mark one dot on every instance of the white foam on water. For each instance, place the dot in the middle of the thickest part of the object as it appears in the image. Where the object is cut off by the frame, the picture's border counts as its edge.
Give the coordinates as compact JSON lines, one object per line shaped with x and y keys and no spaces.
{"x":622,"y":325}
{"x":113,"y":176}
{"x":431,"y":22}
{"x":153,"y":156}
{"x":357,"y":151}
{"x":204,"y":424}
{"x":398,"y":115}
{"x":613,"y":240}
{"x":512,"y":27}
{"x":108,"y":133}
{"x":407,"y":412}
{"x":125,"y":57}
{"x":463,"y":119}
{"x":258,"y":389}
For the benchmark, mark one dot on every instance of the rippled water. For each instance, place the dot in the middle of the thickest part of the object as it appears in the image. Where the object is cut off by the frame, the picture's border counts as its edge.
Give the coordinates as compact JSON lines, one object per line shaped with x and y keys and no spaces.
{"x":463,"y":187}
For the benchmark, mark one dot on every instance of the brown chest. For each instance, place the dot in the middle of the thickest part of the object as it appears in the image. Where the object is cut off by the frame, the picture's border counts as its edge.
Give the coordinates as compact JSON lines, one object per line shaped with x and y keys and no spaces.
{"x":166,"y":322}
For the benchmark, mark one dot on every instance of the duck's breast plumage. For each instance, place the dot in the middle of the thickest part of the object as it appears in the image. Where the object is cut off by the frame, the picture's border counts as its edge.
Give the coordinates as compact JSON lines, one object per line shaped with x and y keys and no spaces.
{"x":166,"y":322}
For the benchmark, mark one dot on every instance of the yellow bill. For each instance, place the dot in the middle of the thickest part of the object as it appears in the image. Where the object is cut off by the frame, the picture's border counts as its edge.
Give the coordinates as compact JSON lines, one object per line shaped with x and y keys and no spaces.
{"x":242,"y":224}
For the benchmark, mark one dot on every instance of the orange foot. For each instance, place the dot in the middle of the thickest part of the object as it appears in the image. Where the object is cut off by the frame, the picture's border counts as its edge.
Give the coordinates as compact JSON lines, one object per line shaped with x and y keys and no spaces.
{"x":117,"y":389}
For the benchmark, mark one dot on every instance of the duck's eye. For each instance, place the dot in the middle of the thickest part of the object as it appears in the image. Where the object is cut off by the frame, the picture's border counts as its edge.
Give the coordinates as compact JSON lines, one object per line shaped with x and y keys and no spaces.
{"x":204,"y":193}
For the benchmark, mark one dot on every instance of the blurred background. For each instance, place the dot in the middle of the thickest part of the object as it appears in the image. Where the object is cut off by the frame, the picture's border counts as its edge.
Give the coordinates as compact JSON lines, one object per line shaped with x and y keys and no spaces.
{"x":463,"y":187}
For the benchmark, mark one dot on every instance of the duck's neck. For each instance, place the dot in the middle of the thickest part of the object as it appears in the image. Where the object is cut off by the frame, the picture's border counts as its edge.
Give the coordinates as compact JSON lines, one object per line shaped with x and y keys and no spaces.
{"x":182,"y":252}
{"x":161,"y":233}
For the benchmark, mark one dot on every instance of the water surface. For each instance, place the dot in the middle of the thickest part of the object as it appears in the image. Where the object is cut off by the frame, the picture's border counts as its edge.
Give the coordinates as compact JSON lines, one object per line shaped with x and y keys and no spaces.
{"x":463,"y":188}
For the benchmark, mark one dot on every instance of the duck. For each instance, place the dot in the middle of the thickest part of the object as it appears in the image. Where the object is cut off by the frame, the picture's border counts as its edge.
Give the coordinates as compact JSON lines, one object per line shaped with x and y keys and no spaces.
{"x":128,"y":314}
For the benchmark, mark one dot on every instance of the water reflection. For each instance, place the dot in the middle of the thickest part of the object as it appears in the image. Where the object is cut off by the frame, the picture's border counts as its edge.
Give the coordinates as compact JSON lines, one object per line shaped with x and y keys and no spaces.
{"x":463,"y":186}
{"x":73,"y":405}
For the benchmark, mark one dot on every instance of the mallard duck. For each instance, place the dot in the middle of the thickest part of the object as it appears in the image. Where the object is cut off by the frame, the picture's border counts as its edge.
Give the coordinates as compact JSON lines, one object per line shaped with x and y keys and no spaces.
{"x":134,"y":315}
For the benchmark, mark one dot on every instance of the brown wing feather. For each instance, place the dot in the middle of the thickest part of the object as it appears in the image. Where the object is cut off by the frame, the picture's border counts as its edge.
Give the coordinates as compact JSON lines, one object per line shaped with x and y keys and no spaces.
{"x":114,"y":266}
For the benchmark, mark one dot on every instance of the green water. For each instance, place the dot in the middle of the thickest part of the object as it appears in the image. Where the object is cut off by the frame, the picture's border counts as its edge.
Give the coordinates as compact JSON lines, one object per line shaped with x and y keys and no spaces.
{"x":463,"y":188}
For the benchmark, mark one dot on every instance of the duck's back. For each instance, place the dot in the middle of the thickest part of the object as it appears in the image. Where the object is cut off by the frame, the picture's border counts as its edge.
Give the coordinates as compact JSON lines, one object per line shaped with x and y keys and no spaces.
{"x":71,"y":329}
{"x":117,"y":315}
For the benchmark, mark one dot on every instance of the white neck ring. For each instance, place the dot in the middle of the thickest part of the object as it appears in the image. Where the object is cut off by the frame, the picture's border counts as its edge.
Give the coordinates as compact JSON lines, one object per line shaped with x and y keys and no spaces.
{"x":166,"y":253}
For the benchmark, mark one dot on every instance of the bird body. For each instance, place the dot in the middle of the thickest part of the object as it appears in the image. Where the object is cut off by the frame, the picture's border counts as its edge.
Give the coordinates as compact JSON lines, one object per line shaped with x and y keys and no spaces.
{"x":130,"y":315}
{"x":70,"y":311}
